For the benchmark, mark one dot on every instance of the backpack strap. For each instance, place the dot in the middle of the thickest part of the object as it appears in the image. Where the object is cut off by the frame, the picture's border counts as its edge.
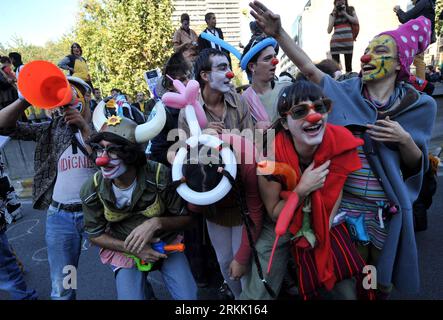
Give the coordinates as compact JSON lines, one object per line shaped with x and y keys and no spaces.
{"x":96,"y":179}
{"x":157,"y":174}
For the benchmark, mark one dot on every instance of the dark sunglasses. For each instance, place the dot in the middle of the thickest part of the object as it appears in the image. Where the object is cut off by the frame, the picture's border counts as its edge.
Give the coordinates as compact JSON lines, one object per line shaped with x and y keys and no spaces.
{"x":301,"y":110}
{"x":111,"y":150}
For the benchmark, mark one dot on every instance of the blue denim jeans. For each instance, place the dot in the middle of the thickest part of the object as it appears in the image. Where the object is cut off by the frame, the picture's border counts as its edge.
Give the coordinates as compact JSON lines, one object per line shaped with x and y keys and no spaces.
{"x":11,"y":278}
{"x":133,"y":284}
{"x":64,"y":232}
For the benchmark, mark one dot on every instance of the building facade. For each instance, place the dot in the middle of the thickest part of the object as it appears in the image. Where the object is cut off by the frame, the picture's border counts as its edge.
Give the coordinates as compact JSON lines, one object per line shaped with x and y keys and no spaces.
{"x":310,"y":28}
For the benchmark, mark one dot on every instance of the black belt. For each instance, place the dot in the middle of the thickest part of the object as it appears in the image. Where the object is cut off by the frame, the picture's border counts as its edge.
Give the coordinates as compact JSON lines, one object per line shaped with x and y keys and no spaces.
{"x":73,"y":207}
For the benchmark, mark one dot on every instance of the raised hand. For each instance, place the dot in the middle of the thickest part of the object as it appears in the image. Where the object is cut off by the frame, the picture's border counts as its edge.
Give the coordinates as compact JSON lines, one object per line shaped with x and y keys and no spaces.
{"x":268,"y":21}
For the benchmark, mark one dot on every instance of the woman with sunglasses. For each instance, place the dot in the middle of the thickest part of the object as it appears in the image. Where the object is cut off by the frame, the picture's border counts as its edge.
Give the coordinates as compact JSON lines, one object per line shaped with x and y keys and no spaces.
{"x":322,"y":155}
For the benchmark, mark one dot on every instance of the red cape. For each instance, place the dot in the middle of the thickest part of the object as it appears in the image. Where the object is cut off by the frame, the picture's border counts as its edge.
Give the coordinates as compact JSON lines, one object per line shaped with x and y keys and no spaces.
{"x":339,"y":146}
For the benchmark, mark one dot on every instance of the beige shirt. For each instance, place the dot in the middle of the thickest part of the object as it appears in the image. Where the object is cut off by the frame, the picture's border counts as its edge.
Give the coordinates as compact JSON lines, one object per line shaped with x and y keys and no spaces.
{"x":235,"y":116}
{"x":181,"y":37}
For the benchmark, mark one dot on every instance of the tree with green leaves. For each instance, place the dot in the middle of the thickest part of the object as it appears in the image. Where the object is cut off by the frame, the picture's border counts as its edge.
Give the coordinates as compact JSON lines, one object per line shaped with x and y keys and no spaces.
{"x":438,"y":23}
{"x":52,"y":50}
{"x":123,"y":39}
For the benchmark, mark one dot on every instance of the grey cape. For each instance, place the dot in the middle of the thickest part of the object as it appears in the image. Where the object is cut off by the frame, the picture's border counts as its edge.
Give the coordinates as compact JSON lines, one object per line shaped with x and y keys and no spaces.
{"x":398,"y":262}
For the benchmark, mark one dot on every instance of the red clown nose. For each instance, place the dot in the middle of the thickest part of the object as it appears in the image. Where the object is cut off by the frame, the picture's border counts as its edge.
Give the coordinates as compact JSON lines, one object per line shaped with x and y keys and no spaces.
{"x":230,"y":75}
{"x":102,"y":161}
{"x":366,"y":58}
{"x":314,"y":117}
{"x":275,"y":61}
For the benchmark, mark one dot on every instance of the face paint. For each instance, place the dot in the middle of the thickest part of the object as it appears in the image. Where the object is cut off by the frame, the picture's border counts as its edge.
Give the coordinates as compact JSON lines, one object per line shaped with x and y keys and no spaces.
{"x":218,"y":79}
{"x":80,"y":102}
{"x":305,"y":133}
{"x":114,"y":169}
{"x":380,"y":58}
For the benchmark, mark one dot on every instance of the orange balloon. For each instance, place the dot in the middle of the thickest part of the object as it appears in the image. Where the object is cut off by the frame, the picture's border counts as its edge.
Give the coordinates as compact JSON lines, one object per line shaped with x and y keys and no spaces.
{"x":268,"y":167}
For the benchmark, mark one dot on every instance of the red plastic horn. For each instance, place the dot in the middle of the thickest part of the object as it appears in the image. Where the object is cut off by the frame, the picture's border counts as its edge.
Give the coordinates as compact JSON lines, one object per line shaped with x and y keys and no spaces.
{"x":102,"y":161}
{"x":366,"y":58}
{"x":314,"y":117}
{"x":230,"y":75}
{"x":275,"y":61}
{"x":44,"y":85}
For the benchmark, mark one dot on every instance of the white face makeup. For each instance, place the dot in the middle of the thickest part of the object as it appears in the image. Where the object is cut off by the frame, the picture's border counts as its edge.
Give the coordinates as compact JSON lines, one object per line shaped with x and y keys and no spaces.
{"x":114,"y":169}
{"x":306,"y":133}
{"x":217,"y":77}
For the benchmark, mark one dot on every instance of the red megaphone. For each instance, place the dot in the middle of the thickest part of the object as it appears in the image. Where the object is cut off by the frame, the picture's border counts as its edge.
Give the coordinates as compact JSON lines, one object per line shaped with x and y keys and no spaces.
{"x":44,"y":85}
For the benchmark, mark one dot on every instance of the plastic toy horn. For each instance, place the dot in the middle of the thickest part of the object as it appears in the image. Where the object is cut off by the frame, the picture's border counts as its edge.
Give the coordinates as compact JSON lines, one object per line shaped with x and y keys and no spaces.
{"x":44,"y":85}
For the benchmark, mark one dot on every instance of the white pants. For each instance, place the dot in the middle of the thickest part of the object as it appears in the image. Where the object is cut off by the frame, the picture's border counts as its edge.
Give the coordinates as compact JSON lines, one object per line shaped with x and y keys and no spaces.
{"x":226,"y":241}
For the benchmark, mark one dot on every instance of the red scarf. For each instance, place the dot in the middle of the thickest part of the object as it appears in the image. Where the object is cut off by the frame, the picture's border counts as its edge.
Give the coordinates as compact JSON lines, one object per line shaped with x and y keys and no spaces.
{"x":339,"y":146}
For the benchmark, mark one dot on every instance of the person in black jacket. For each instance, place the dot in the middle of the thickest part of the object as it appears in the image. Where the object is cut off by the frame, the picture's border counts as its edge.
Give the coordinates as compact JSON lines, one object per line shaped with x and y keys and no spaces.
{"x":211,"y":23}
{"x":424,"y":8}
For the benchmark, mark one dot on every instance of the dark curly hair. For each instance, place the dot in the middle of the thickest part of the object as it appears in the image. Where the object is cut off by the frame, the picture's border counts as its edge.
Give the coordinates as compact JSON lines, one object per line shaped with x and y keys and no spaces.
{"x":175,"y":67}
{"x":132,"y":154}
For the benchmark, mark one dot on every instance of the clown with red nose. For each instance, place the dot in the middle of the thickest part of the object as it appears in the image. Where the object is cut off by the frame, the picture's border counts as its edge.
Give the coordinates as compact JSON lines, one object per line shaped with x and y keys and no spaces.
{"x":260,"y":62}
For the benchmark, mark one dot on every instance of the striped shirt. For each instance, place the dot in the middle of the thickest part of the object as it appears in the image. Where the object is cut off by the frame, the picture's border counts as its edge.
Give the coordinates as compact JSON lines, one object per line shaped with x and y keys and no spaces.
{"x":342,"y":41}
{"x":362,"y":194}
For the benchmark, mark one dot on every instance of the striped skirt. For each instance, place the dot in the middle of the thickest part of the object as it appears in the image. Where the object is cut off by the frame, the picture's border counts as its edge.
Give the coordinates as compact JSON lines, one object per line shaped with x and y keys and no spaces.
{"x":342,"y":41}
{"x":347,"y":264}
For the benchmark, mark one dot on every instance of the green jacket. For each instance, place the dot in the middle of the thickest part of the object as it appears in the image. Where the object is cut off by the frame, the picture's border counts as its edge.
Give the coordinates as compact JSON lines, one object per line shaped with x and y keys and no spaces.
{"x":151,"y":198}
